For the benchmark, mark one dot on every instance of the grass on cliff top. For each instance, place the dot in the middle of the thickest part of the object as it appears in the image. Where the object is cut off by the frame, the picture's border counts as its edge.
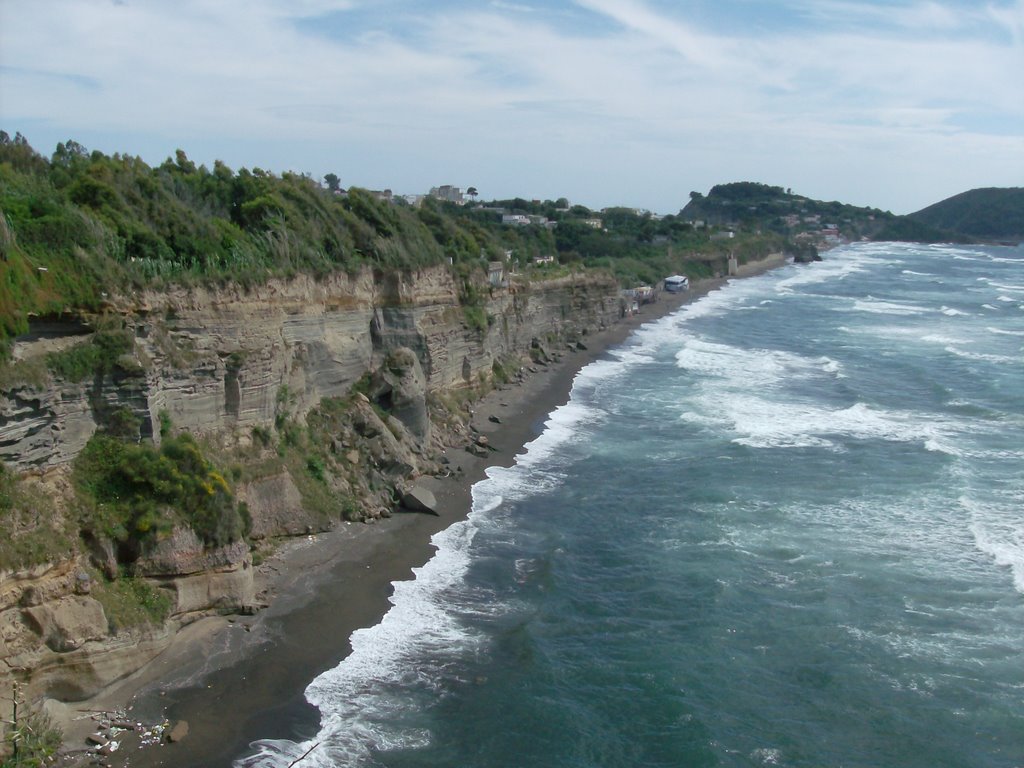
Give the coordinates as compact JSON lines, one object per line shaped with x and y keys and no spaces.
{"x":77,"y":223}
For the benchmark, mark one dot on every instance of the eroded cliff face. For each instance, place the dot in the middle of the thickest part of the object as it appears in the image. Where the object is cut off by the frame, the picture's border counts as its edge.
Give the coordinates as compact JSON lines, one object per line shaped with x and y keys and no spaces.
{"x":226,"y":364}
{"x":217,"y":361}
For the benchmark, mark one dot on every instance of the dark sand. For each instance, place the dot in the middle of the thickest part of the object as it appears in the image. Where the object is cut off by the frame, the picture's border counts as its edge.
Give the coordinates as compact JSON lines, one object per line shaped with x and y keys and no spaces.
{"x":238,"y":680}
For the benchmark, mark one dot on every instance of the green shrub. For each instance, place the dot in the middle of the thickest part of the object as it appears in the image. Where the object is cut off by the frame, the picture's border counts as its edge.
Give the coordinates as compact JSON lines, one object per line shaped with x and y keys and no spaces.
{"x":315,"y":467}
{"x":97,"y":356}
{"x":476,"y":318}
{"x":131,"y":602}
{"x":123,"y":423}
{"x":261,"y":435}
{"x":500,"y":370}
{"x":165,"y":423}
{"x":137,"y":491}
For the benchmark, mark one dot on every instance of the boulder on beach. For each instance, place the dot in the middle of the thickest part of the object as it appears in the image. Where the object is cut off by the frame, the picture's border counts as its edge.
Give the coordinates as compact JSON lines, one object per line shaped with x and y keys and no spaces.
{"x":178,"y":732}
{"x":420,"y":499}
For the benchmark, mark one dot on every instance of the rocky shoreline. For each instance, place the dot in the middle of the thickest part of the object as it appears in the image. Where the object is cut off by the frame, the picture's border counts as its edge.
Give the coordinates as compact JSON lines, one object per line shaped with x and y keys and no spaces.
{"x":317,"y":590}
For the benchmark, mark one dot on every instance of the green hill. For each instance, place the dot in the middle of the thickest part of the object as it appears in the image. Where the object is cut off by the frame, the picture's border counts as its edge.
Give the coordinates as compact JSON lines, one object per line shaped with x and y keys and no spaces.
{"x":989,"y":213}
{"x":747,"y":204}
{"x":907,"y":230}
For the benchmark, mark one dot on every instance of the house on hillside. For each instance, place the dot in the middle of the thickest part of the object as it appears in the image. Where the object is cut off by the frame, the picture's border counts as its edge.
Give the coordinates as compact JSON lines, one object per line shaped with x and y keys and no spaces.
{"x":448,"y":193}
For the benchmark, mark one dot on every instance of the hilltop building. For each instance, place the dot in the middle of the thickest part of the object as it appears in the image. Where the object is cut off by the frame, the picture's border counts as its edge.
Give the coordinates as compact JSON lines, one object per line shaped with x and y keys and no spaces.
{"x":448,"y":193}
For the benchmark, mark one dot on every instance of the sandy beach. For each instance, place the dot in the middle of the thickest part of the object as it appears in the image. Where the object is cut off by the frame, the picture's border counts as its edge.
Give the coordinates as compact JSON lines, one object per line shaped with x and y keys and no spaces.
{"x":238,"y":679}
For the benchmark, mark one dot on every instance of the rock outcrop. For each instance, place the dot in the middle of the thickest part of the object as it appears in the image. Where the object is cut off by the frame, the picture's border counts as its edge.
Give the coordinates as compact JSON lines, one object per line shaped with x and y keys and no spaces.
{"x":220,"y":362}
{"x":227,"y":364}
{"x":420,"y":499}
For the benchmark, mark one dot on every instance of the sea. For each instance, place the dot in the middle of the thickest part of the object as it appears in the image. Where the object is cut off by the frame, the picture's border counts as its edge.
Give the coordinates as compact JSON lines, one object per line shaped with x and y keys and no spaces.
{"x":782,"y":526}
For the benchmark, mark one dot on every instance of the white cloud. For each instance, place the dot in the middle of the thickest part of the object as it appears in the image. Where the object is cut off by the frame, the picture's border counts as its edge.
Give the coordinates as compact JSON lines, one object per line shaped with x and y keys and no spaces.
{"x":516,"y":94}
{"x":918,"y":17}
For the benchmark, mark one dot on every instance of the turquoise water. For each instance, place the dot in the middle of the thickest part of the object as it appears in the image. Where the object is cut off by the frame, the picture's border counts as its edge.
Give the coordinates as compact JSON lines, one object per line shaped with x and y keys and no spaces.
{"x":784,"y":526}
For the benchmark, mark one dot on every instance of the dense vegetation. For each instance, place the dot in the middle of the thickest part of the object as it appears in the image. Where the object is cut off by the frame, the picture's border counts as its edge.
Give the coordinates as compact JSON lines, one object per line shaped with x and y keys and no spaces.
{"x":749,"y":205}
{"x":907,"y":230}
{"x":989,"y":214}
{"x":134,"y":492}
{"x":980,"y":214}
{"x":634,"y":245}
{"x":77,"y":224}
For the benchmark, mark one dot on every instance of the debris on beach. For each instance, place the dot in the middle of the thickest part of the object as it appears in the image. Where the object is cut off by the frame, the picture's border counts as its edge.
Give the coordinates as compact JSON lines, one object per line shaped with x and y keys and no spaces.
{"x":117,"y":731}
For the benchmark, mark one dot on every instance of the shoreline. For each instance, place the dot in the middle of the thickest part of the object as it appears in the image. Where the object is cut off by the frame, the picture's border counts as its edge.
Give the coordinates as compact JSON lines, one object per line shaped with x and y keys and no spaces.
{"x":320,"y":589}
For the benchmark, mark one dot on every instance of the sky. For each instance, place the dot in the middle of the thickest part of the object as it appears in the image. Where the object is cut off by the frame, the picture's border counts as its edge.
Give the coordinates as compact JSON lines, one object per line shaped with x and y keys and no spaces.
{"x":891,"y":104}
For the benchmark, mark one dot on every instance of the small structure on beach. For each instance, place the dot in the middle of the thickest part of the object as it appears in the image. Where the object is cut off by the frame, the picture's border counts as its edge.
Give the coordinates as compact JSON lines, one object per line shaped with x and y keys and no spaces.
{"x":677,"y":283}
{"x":634,"y":298}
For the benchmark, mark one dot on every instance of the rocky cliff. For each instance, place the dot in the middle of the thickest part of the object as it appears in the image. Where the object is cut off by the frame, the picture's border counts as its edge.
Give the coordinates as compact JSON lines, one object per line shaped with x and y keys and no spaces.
{"x":217,"y":361}
{"x":231,"y":366}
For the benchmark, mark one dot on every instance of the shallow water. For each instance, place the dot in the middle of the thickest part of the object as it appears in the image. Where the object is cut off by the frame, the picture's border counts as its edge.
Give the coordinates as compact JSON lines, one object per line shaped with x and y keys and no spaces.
{"x":783,"y":526}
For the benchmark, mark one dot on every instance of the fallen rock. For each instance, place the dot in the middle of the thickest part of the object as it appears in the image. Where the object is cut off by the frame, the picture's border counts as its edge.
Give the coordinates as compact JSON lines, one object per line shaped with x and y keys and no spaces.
{"x":494,"y":419}
{"x":477,"y":450}
{"x":178,"y":732}
{"x":420,"y":499}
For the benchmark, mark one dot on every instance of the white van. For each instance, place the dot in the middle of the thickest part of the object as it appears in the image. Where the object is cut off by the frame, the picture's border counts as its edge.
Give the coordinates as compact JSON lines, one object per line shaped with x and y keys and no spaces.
{"x":677,"y":284}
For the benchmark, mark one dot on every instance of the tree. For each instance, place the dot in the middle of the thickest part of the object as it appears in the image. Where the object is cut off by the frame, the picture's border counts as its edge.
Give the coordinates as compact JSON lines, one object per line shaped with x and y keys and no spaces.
{"x":184,"y":164}
{"x":66,"y":153}
{"x":333,"y":182}
{"x":472,"y":192}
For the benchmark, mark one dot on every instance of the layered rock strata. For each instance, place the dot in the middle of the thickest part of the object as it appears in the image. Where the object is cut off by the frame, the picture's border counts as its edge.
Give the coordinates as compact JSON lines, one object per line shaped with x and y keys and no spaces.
{"x":227,"y":363}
